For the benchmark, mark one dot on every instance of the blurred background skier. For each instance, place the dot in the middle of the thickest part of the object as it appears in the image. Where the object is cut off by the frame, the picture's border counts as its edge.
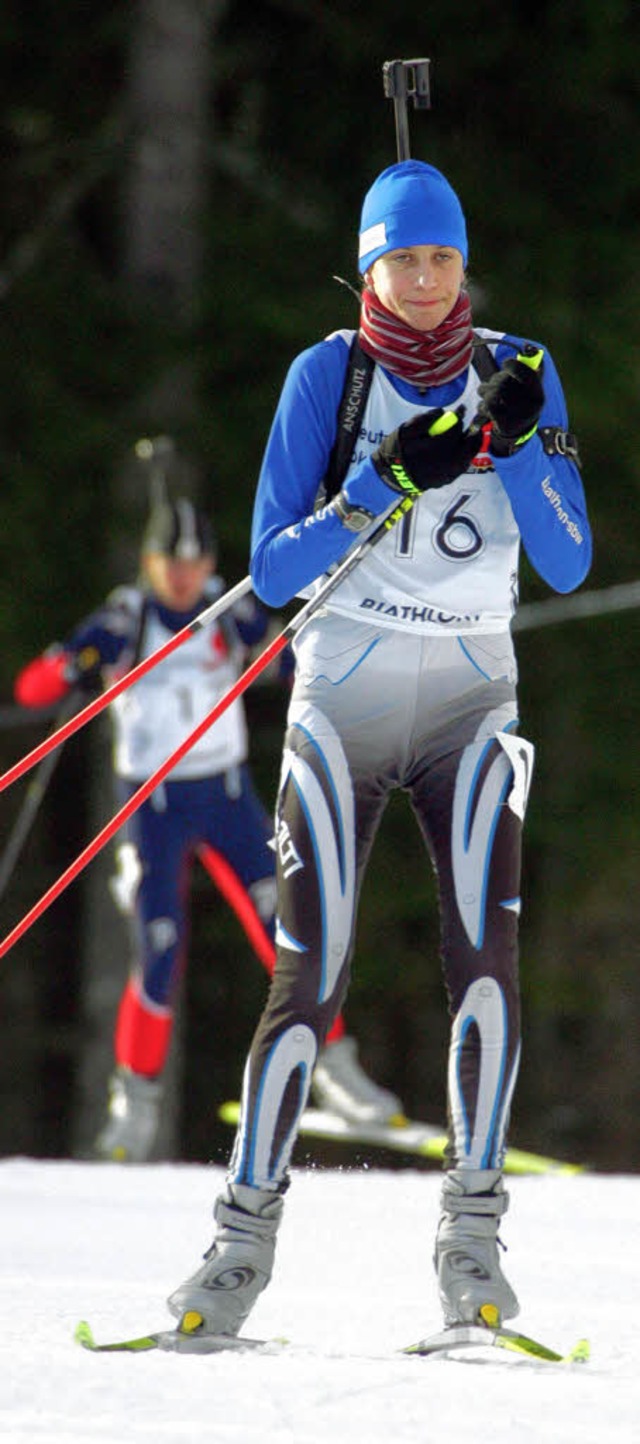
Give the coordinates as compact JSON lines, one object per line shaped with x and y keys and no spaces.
{"x":208,"y":808}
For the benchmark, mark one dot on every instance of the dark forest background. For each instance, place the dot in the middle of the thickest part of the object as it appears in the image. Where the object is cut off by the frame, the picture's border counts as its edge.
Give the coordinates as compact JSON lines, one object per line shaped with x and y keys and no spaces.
{"x":181,"y":183}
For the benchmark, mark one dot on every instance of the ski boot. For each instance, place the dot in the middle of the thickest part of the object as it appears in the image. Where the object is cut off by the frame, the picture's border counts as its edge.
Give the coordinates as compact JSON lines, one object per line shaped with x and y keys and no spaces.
{"x":220,"y":1295}
{"x":473,"y":1289}
{"x":341,"y":1086}
{"x":133,"y":1117}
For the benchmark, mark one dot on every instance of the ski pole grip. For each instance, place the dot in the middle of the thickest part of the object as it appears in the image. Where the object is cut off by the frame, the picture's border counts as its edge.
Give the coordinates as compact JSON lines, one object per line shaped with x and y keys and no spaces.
{"x":531,"y":356}
{"x":444,"y":423}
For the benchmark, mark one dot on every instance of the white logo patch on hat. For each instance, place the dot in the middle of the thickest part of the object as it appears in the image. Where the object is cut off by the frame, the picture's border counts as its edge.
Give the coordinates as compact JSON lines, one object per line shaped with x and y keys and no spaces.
{"x":372,"y":238}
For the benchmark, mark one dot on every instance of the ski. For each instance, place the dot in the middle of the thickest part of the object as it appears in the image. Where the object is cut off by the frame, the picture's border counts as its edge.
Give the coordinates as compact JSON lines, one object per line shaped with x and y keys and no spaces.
{"x":423,"y":1140}
{"x":176,"y":1341}
{"x":461,"y":1337}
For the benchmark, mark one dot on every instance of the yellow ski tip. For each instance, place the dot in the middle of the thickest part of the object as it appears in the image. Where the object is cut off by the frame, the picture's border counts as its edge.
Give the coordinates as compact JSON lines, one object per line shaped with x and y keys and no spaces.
{"x":581,"y":1353}
{"x":83,"y":1335}
{"x":229,"y":1112}
{"x":518,"y":1161}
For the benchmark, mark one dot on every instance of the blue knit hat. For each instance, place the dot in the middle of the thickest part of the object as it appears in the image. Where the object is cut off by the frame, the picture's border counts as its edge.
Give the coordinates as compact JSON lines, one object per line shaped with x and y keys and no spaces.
{"x":410,"y":204}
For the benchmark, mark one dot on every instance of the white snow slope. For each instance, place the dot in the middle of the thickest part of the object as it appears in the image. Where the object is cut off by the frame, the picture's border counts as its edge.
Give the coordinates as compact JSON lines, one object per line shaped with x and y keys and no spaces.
{"x":353,"y":1283}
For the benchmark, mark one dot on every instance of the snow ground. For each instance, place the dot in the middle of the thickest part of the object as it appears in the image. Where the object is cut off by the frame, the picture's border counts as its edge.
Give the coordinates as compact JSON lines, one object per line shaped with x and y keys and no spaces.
{"x":353,"y":1283}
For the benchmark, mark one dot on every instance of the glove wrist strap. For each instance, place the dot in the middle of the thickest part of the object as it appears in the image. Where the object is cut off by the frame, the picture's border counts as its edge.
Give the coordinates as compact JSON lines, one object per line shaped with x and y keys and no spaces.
{"x":507,"y":445}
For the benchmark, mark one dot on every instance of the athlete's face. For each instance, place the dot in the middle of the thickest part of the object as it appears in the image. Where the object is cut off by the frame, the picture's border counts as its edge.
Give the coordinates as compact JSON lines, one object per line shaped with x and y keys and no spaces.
{"x":178,"y":584}
{"x":420,"y":284}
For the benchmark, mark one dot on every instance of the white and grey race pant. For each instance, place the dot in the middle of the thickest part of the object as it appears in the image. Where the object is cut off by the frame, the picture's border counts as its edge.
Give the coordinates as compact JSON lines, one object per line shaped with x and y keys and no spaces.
{"x":435,"y":716}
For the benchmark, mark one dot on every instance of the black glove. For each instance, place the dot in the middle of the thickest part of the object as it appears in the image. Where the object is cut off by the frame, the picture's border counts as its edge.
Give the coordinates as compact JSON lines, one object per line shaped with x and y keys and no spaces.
{"x":430,"y":451}
{"x":513,"y":400}
{"x":84,"y":669}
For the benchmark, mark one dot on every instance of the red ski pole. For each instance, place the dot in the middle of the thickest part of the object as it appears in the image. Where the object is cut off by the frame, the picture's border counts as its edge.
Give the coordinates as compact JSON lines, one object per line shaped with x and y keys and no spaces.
{"x":55,"y":739}
{"x":142,"y":793}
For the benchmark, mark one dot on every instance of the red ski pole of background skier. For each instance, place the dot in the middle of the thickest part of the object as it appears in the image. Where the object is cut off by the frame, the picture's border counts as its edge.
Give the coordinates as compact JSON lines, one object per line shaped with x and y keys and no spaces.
{"x":142,"y":793}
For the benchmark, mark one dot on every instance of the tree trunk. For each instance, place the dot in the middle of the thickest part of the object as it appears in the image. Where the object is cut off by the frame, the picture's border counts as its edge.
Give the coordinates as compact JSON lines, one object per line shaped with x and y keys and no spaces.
{"x":168,"y":103}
